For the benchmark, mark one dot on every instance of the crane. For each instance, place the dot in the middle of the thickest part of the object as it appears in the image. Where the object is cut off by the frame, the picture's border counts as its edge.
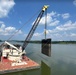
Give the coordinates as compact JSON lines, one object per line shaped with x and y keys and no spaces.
{"x":30,"y":34}
{"x":14,"y":52}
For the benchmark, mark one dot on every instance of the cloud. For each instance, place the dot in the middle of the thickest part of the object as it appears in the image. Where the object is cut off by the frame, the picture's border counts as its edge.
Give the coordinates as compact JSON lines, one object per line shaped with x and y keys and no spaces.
{"x":73,"y":34}
{"x":61,"y":32}
{"x":8,"y":30}
{"x":66,"y":15}
{"x":5,"y":7}
{"x":54,"y":23}
{"x":65,"y":31}
{"x":51,"y":19}
{"x":18,"y":31}
{"x":69,"y":25}
{"x":74,"y":2}
{"x":58,"y":28}
{"x":37,"y":34}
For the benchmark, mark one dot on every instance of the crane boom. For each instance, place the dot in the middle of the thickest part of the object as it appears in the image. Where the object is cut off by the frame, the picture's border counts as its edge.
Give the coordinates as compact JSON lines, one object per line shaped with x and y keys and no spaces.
{"x":30,"y":34}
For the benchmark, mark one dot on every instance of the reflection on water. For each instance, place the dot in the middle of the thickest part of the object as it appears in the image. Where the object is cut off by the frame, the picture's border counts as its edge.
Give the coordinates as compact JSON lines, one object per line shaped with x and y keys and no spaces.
{"x":29,"y":72}
{"x":45,"y":69}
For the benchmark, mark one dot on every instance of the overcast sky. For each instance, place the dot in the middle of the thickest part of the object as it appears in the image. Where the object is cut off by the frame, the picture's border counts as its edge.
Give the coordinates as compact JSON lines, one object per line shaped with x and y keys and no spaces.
{"x":61,"y":19}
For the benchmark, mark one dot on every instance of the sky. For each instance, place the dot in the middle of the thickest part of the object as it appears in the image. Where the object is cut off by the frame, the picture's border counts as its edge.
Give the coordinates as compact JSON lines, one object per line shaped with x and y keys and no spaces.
{"x":15,"y":18}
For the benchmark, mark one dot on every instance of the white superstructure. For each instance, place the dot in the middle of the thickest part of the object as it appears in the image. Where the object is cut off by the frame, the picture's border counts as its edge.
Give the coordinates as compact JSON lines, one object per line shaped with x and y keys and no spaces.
{"x":12,"y":52}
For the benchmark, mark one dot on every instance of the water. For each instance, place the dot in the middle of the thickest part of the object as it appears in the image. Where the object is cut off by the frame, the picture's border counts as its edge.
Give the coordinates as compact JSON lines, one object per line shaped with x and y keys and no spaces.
{"x":61,"y":62}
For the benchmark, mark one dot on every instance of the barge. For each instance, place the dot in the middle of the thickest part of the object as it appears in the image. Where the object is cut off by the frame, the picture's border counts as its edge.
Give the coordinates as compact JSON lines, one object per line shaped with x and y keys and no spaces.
{"x":7,"y":66}
{"x":12,"y":60}
{"x":13,"y":56}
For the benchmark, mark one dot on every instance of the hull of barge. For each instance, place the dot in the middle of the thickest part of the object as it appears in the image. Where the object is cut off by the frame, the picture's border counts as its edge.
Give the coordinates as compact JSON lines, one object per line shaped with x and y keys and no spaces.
{"x":7,"y":66}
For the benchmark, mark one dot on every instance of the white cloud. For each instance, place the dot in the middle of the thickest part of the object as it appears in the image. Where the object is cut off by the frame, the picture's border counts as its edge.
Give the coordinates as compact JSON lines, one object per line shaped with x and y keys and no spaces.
{"x":60,"y":31}
{"x":52,"y":13}
{"x":74,"y":2}
{"x":8,"y":30}
{"x":67,"y":26}
{"x":5,"y":7}
{"x":66,"y":15}
{"x":51,"y":19}
{"x":19,"y":31}
{"x":63,"y":29}
{"x":36,"y":34}
{"x":73,"y":34}
{"x":54,"y":23}
{"x":41,"y":34}
{"x":57,"y":35}
{"x":2,"y":26}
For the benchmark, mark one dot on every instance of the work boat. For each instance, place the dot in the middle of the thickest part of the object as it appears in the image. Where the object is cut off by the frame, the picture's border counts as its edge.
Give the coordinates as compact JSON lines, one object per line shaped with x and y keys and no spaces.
{"x":13,"y":57}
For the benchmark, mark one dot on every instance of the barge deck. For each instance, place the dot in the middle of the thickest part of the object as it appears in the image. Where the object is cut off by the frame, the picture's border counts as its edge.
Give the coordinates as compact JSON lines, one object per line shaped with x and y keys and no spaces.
{"x":7,"y":66}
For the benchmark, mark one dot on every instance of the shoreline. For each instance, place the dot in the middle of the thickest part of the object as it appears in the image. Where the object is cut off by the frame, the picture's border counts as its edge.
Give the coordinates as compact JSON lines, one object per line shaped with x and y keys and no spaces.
{"x":39,"y":42}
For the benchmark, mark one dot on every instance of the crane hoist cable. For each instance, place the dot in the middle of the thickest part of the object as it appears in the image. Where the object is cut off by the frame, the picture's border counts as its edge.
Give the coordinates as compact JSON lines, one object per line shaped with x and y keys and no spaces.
{"x":45,"y":32}
{"x":30,"y":34}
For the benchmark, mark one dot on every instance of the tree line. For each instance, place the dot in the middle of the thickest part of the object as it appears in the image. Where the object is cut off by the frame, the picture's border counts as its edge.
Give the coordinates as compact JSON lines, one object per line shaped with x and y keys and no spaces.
{"x":38,"y":41}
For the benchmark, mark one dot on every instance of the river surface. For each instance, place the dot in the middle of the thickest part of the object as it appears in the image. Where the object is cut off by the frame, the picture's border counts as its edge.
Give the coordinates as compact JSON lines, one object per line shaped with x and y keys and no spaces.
{"x":61,"y":62}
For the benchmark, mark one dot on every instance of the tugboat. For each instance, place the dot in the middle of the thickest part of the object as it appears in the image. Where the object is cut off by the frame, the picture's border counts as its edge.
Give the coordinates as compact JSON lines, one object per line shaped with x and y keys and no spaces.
{"x":13,"y":57}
